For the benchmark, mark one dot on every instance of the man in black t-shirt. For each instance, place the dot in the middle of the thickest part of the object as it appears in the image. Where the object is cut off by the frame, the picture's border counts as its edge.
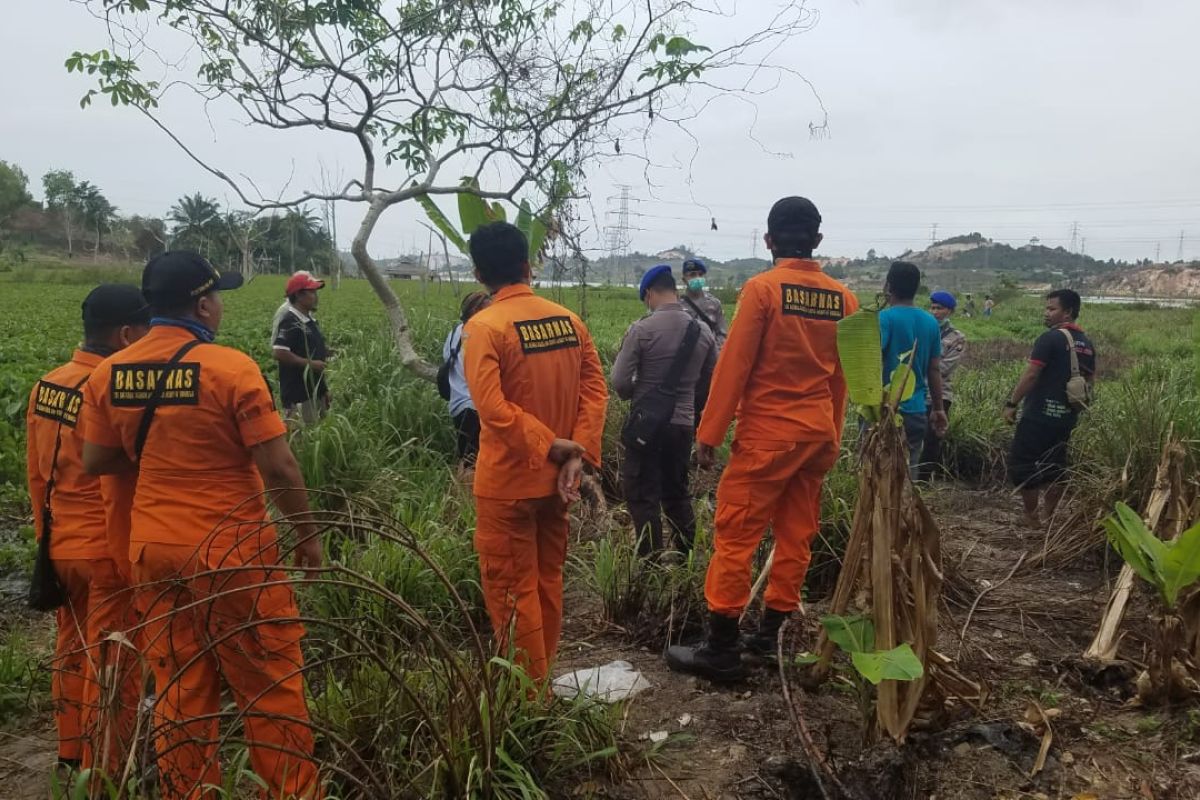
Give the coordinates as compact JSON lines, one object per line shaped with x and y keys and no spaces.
{"x":300,"y":349}
{"x":1038,"y":460}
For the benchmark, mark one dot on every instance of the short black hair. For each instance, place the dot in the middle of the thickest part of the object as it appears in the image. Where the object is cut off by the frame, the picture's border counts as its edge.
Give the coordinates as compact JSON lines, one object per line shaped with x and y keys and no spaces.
{"x":664,"y":281}
{"x":500,"y":254}
{"x":903,"y":279}
{"x":1069,"y":300}
{"x":95,"y":333}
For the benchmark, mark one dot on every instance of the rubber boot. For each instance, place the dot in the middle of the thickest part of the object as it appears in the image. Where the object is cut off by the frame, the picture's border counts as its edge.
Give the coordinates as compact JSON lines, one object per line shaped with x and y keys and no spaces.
{"x":718,"y":659}
{"x":763,"y":642}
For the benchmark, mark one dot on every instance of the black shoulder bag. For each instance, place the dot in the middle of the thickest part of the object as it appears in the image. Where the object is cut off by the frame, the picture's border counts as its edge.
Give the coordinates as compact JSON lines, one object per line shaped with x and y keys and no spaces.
{"x":443,"y":373}
{"x":46,"y":591}
{"x":156,"y":396}
{"x":653,"y":411}
{"x":711,"y":323}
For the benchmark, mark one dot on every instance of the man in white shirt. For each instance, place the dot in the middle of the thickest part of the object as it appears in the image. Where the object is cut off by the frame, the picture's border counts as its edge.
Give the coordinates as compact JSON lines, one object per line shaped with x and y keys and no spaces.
{"x":462,"y":409}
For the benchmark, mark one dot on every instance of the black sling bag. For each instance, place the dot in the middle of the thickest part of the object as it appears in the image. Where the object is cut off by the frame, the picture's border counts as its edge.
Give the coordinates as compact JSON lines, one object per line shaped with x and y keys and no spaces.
{"x":650,"y":414}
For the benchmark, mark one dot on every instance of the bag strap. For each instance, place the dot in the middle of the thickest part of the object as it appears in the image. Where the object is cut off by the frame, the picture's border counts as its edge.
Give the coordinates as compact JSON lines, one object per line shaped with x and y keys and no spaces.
{"x":457,"y":345}
{"x":54,"y":461}
{"x":712,"y":325}
{"x":155,"y":397}
{"x":1071,"y":350}
{"x":670,"y":384}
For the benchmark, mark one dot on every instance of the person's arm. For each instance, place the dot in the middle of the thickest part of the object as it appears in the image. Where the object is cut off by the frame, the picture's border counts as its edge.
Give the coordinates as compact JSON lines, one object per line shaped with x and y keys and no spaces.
{"x":520,"y":431}
{"x":732,"y":371}
{"x":1024,"y":386}
{"x":33,"y":467}
{"x":624,"y":371}
{"x":937,"y":412}
{"x":287,"y":342}
{"x":281,"y":474}
{"x":704,"y":381}
{"x":593,"y":399}
{"x":722,"y":331}
{"x":103,"y":453}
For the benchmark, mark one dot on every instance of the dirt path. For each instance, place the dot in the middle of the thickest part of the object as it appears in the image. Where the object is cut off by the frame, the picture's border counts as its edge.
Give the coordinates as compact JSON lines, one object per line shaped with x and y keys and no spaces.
{"x":1024,"y":641}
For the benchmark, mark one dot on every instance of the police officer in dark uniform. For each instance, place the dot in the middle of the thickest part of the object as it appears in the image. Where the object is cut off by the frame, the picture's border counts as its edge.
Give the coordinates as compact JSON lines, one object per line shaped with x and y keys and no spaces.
{"x":656,"y":479}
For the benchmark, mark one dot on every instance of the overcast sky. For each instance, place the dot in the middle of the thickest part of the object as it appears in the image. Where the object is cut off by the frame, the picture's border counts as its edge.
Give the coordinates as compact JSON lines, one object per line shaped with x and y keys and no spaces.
{"x":1015,"y":118}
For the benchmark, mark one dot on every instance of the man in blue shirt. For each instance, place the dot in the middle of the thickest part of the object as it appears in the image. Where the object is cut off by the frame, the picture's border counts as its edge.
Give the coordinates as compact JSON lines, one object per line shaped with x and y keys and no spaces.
{"x":904,"y":327}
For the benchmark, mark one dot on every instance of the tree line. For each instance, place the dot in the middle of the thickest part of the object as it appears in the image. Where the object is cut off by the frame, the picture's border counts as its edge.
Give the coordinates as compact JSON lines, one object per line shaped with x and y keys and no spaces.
{"x":76,"y":218}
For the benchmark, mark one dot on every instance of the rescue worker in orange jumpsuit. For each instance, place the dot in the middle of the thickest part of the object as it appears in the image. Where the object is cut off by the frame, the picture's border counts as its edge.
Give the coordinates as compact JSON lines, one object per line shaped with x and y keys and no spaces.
{"x":536,"y":381}
{"x":779,"y":373}
{"x":216,"y":606}
{"x":94,"y":571}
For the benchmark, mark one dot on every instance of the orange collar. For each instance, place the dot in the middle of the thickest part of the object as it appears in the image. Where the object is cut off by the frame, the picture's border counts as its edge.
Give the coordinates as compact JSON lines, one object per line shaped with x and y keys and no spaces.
{"x":86,"y":359}
{"x":809,"y":264}
{"x":512,"y":290}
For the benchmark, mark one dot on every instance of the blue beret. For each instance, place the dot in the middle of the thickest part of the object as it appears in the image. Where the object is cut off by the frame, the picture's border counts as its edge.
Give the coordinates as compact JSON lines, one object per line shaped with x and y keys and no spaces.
{"x":943,"y":299}
{"x":696,"y":264}
{"x":650,"y":276}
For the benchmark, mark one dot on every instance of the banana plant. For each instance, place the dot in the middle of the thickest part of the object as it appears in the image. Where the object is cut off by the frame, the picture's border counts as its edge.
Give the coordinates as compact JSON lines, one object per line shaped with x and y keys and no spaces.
{"x":1172,"y":568}
{"x":860,"y":351}
{"x":474,"y":211}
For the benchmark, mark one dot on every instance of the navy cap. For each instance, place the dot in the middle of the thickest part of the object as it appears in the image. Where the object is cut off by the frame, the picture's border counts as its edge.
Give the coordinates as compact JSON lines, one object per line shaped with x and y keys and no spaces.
{"x":793,"y":215}
{"x":650,"y":276}
{"x":944,"y":299}
{"x":111,"y":304}
{"x":178,"y":276}
{"x":695,"y":265}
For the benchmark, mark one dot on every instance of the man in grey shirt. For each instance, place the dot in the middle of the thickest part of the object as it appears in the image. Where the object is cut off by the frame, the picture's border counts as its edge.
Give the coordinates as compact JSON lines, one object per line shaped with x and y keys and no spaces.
{"x":656,"y":480}
{"x":699,"y":303}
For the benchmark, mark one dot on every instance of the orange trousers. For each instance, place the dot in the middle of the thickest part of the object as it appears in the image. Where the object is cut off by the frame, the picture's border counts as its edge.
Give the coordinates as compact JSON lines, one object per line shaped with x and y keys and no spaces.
{"x":766,"y":483}
{"x":522,"y":546}
{"x":205,"y":628}
{"x":97,"y":731}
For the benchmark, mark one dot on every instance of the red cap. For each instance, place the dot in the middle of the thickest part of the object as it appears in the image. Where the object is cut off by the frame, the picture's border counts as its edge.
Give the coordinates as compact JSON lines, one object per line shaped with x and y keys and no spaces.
{"x":301,"y":281}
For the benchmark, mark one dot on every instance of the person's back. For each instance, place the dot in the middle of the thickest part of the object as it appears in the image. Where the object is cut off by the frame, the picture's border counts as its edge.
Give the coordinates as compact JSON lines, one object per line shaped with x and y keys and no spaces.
{"x":1047,"y":401}
{"x":654,"y":341}
{"x":787,"y":365}
{"x":196,"y":476}
{"x":903,"y":328}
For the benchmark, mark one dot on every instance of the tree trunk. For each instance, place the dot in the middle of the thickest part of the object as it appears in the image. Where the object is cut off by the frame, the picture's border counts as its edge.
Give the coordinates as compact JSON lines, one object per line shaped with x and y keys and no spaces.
{"x":70,"y":232}
{"x":398,"y":320}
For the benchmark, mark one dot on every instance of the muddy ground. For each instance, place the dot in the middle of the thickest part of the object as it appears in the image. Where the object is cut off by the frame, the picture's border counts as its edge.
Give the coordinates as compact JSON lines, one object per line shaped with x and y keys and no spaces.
{"x":1023,"y":641}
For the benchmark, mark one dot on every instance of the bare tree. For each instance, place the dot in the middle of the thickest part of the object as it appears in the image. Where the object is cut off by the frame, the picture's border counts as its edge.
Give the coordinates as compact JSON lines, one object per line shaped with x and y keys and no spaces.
{"x":517,"y":95}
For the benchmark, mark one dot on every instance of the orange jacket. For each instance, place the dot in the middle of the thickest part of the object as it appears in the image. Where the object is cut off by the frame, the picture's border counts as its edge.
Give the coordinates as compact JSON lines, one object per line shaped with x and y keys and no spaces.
{"x":196,"y":473}
{"x":534,"y":376}
{"x":779,"y":369}
{"x":76,"y":506}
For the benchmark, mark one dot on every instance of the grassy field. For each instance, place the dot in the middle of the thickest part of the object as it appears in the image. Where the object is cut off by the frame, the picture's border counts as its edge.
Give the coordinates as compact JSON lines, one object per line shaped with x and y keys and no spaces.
{"x":381,"y":465}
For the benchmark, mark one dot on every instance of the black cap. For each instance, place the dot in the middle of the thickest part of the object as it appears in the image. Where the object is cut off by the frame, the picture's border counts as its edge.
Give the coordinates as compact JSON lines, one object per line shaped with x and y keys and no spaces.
{"x":793,"y":214}
{"x":111,"y":304}
{"x":179,"y":276}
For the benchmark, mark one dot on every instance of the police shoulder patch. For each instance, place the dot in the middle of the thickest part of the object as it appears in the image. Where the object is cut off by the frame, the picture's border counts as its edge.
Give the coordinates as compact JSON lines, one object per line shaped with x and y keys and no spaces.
{"x":132,"y":385}
{"x":544,"y":335}
{"x":810,"y":303}
{"x":58,"y":403}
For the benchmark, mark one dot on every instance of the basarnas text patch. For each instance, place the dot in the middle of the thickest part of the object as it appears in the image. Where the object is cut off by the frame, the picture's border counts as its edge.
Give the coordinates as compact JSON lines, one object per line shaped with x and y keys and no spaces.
{"x":544,"y":335}
{"x":804,"y":301}
{"x":58,"y":403}
{"x":136,"y":384}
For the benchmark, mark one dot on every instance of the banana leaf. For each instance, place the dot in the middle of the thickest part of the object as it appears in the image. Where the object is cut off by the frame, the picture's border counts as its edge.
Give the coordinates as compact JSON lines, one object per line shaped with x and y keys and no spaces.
{"x":442,"y":223}
{"x":861,"y":355}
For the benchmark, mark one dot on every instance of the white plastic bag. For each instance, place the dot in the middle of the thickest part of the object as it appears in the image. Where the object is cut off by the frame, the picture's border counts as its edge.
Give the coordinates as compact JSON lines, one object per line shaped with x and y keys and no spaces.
{"x":610,"y":683}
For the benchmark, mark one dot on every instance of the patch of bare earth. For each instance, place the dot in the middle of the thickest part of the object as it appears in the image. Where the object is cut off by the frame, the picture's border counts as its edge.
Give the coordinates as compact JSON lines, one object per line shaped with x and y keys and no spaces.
{"x":1024,"y":640}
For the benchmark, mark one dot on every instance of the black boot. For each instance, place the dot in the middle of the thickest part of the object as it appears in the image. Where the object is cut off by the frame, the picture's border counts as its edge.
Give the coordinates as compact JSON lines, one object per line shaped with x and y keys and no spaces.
{"x":763,"y":643}
{"x":718,"y":659}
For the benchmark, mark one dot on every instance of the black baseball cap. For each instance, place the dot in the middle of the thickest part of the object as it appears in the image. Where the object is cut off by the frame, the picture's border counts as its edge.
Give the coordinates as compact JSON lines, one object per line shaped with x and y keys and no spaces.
{"x":180,"y":276}
{"x":111,"y":304}
{"x":793,"y":214}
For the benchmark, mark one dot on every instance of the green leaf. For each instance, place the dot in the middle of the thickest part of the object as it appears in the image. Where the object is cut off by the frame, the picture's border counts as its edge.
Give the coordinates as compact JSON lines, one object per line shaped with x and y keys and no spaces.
{"x":442,"y":223}
{"x":1181,"y":564}
{"x":1141,"y":549}
{"x":854,"y":634}
{"x":473,"y":210}
{"x":898,"y":664}
{"x":496,"y":213}
{"x":804,"y":659}
{"x":861,"y":355}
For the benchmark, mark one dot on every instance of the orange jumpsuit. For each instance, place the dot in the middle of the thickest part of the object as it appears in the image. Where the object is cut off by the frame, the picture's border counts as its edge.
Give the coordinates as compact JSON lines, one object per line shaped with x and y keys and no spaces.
{"x":779,"y":373}
{"x":86,"y":512}
{"x":202,"y":547}
{"x":534,"y":376}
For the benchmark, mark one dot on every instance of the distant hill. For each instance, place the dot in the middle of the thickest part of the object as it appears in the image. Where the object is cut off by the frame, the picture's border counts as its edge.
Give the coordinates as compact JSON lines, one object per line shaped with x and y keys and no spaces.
{"x":1153,"y":280}
{"x":975,"y":251}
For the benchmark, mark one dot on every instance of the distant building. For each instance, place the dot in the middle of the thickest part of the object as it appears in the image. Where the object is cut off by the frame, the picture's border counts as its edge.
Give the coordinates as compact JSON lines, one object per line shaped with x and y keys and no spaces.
{"x":403,"y":270}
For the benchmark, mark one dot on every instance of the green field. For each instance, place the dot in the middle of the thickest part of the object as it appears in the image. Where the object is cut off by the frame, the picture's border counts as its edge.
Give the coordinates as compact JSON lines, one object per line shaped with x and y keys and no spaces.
{"x":381,"y":467}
